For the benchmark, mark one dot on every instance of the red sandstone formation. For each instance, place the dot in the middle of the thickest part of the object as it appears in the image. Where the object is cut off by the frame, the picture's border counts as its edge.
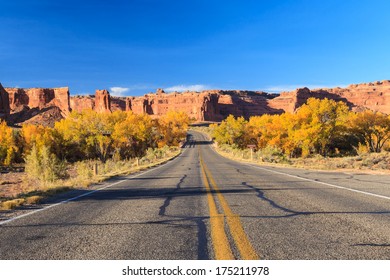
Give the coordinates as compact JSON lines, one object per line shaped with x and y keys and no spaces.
{"x":102,"y":101}
{"x":212,"y":105}
{"x":23,"y":105}
{"x":48,"y":116}
{"x":4,"y":103}
{"x":118,"y":103}
{"x":374,"y":96}
{"x":40,"y":98}
{"x":245,"y":103}
{"x":128,"y":104}
{"x":43,"y":105}
{"x":80,"y":103}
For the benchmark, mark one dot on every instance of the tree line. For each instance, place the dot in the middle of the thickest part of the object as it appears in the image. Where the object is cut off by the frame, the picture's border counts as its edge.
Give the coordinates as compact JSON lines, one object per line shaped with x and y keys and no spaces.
{"x":324,"y":127}
{"x":91,"y":135}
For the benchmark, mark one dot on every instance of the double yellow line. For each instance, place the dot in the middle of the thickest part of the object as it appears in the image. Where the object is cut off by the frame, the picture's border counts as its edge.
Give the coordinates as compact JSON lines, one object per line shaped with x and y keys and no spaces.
{"x":222,"y":248}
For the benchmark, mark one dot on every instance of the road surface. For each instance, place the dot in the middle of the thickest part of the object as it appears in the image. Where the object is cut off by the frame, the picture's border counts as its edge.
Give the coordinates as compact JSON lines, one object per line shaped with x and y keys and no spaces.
{"x":203,"y":206}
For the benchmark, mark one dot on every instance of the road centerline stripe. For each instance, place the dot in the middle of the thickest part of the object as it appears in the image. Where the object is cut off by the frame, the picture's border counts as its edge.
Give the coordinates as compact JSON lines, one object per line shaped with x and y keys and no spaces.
{"x":237,"y":231}
{"x":219,"y":238}
{"x":240,"y":238}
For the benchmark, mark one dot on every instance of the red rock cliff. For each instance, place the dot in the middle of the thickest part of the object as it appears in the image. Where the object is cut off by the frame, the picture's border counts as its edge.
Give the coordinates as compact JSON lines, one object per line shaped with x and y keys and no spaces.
{"x":102,"y":101}
{"x":374,"y":96}
{"x":21,"y":105}
{"x":82,"y":102}
{"x":118,"y":103}
{"x":4,"y":103}
{"x":211,"y":105}
{"x":40,"y":98}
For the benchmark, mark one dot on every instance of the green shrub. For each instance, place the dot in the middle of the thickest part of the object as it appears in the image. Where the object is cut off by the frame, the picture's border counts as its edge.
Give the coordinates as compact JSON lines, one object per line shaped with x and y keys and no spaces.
{"x":44,"y":166}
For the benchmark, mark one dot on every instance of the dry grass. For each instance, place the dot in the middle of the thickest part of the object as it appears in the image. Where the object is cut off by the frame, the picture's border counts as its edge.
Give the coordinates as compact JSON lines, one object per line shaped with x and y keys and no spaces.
{"x":369,"y":162}
{"x":28,"y":191}
{"x":85,"y":175}
{"x":35,"y":199}
{"x":376,"y":162}
{"x":5,"y":183}
{"x":11,"y":204}
{"x":366,"y":162}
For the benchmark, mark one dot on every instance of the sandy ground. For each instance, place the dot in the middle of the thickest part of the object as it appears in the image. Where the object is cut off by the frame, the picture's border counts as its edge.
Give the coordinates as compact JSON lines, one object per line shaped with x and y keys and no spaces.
{"x":12,"y":184}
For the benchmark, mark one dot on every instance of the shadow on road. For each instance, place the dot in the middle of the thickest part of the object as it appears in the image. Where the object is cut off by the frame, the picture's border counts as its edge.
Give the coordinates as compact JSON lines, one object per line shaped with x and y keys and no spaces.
{"x":292,"y":213}
{"x":372,"y":245}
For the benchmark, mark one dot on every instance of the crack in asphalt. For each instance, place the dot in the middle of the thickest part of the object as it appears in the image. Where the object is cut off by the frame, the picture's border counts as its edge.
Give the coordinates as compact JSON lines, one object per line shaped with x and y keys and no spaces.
{"x":167,"y":201}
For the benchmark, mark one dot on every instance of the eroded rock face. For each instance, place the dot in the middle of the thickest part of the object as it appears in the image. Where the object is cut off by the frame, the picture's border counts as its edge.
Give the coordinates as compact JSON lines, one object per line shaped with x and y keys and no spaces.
{"x":4,"y":104}
{"x":20,"y":105}
{"x":62,"y":99}
{"x":80,"y":103}
{"x":245,"y":103}
{"x":211,"y":105}
{"x":118,"y":103}
{"x":374,"y":96}
{"x":128,"y":106}
{"x":102,"y":101}
{"x":40,"y":98}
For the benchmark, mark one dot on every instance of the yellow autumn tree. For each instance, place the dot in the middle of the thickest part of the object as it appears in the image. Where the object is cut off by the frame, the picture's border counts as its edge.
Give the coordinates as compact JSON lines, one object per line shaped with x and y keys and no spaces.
{"x":86,"y":134}
{"x":37,"y":135}
{"x":371,"y":128}
{"x":257,"y":131}
{"x":133,"y":135}
{"x":172,"y":128}
{"x":318,"y":124}
{"x":316,"y":127}
{"x":231,"y":131}
{"x":272,"y":131}
{"x":8,"y":147}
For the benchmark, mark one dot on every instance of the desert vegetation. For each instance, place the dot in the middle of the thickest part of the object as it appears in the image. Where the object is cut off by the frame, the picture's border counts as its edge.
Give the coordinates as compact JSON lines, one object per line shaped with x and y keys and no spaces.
{"x":84,"y":148}
{"x":320,"y":129}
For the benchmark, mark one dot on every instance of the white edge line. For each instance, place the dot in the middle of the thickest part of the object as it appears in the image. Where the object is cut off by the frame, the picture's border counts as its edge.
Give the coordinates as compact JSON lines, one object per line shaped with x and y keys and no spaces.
{"x":302,"y":178}
{"x":319,"y":182}
{"x":306,"y":179}
{"x":84,"y":194}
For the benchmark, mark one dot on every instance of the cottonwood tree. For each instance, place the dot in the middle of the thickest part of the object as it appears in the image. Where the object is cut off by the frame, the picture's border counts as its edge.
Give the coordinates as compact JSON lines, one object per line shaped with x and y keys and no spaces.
{"x":86,"y":134}
{"x":133,"y":135}
{"x":318,"y":124}
{"x":231,"y":131}
{"x":8,"y":147}
{"x":371,"y":128}
{"x":172,"y":128}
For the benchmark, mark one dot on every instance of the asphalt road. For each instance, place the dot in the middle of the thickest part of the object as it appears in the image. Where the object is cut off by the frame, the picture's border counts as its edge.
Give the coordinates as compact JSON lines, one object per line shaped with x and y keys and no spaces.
{"x":203,"y":206}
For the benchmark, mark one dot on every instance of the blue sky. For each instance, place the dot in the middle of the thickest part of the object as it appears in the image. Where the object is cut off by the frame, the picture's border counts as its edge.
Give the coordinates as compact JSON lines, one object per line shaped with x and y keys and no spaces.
{"x":133,"y":47}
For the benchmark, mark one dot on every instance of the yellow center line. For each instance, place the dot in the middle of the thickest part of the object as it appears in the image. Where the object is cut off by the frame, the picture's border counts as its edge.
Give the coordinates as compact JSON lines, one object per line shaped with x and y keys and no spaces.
{"x":236,"y":229}
{"x":218,"y":236}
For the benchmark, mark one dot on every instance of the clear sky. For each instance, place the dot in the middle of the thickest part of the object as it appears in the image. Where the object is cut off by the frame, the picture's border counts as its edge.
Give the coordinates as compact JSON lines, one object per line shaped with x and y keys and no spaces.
{"x":133,"y":47}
